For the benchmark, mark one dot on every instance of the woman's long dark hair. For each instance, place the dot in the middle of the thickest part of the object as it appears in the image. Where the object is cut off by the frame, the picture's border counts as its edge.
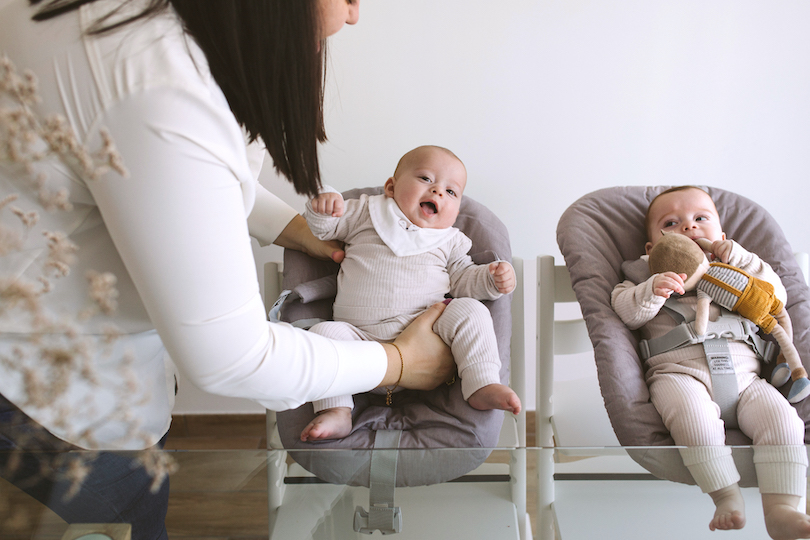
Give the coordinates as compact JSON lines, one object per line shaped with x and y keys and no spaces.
{"x":263,"y":55}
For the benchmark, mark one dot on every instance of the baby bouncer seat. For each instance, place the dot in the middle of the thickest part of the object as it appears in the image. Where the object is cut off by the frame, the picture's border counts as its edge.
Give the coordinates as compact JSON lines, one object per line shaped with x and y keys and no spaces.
{"x":421,"y":426}
{"x":600,"y":231}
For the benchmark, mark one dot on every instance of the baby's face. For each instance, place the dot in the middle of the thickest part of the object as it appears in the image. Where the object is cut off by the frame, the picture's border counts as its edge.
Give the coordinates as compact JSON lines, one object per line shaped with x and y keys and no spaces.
{"x":690,"y":212}
{"x":428,"y":187}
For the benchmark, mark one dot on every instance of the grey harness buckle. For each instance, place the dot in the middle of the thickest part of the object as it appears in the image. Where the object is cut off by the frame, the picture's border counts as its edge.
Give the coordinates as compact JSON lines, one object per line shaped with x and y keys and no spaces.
{"x":383,"y":519}
{"x":681,"y":335}
{"x":382,"y":515}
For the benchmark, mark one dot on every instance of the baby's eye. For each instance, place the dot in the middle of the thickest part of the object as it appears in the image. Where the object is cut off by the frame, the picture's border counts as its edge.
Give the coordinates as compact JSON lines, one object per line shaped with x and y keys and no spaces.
{"x":451,"y":192}
{"x":670,"y":223}
{"x":701,"y":218}
{"x":426,"y":179}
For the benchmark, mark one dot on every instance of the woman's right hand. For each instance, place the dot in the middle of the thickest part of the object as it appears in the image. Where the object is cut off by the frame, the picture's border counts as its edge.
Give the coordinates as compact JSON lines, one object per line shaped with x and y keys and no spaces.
{"x":426,"y":360}
{"x":297,"y":235}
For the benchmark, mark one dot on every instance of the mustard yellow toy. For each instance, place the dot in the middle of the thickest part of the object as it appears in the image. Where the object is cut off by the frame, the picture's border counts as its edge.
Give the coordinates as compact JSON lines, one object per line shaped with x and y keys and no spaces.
{"x":738,"y":292}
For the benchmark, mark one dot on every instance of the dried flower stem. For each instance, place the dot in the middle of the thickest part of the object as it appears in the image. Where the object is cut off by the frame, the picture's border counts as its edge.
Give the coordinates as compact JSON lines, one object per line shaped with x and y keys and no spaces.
{"x":26,"y":140}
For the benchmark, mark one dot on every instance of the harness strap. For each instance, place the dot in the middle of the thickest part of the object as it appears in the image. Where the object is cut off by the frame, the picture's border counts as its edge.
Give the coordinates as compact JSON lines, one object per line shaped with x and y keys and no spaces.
{"x":724,"y":379}
{"x":726,"y":327}
{"x":725,"y":391}
{"x":382,"y":515}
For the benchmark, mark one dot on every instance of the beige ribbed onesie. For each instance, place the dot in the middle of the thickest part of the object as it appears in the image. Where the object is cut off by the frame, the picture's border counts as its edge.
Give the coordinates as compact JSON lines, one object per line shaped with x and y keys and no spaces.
{"x":680,"y":388}
{"x":380,"y":293}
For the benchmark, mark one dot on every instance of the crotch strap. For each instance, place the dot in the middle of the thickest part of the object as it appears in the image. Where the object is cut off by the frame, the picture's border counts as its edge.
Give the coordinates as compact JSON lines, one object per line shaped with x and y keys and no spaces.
{"x":382,"y":515}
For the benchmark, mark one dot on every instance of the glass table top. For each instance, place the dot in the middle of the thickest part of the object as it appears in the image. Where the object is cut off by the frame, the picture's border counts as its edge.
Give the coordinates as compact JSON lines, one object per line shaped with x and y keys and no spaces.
{"x":567,"y":493}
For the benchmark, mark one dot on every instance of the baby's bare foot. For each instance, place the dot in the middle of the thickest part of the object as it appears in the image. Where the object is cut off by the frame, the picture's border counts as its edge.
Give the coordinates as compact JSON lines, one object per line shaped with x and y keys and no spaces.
{"x":329,"y":424}
{"x":495,"y":396}
{"x":782,"y":520}
{"x":729,"y":510}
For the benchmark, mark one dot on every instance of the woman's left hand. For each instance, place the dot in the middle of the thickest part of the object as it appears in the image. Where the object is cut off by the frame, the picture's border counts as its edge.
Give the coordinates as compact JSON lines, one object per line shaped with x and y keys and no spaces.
{"x":425,"y":361}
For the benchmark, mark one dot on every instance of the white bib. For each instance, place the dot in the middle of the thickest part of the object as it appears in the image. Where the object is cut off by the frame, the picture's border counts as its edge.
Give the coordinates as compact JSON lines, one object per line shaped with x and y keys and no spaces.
{"x":403,"y":237}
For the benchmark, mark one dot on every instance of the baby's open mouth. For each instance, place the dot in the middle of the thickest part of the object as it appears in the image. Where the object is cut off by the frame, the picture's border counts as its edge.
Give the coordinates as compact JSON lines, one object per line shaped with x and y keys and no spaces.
{"x":428,"y":207}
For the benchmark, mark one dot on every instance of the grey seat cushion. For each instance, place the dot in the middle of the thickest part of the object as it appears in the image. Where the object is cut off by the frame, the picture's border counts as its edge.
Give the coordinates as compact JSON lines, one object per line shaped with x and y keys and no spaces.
{"x":430,"y":420}
{"x":600,"y":231}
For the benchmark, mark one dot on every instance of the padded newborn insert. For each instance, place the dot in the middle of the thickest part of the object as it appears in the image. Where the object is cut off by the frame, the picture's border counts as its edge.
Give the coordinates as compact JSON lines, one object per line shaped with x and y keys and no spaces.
{"x":600,"y":231}
{"x":430,"y":420}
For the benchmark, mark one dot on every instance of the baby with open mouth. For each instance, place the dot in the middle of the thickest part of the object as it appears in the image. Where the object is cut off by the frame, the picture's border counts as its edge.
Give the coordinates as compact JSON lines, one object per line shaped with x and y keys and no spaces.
{"x":402,"y":256}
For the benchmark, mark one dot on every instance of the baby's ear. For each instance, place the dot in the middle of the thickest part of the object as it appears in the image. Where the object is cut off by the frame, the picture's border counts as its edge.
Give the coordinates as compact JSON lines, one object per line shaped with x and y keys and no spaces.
{"x":388,"y":188}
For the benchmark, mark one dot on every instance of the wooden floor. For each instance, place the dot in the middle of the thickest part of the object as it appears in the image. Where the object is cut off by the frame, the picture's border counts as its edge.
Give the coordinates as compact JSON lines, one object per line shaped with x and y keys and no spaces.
{"x":213,"y":494}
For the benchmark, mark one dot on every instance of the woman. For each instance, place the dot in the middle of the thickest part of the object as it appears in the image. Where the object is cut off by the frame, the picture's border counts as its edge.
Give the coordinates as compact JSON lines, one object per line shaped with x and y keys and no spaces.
{"x":172,"y":81}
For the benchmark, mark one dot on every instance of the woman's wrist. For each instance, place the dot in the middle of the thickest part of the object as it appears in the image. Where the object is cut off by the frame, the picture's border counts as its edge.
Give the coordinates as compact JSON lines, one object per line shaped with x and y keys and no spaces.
{"x":396,"y":367}
{"x":295,"y":235}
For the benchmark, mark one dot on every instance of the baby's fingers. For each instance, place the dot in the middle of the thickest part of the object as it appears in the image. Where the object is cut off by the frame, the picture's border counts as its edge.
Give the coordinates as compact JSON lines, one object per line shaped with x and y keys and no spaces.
{"x":337,"y":208}
{"x":504,"y":276}
{"x":667,"y":283}
{"x":722,"y":250}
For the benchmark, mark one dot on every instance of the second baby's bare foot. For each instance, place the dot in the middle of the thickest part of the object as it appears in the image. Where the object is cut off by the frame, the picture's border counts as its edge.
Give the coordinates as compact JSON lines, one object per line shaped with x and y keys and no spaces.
{"x":495,"y":396}
{"x":729,"y":512}
{"x":329,"y":424}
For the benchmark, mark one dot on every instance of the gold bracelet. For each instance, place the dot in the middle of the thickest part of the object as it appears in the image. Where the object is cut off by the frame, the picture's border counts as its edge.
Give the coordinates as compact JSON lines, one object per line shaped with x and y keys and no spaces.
{"x":389,"y":391}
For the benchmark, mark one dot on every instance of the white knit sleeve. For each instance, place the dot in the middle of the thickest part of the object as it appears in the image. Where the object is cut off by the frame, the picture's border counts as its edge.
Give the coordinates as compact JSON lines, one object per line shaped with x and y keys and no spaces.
{"x":635,"y":304}
{"x":467,"y":279}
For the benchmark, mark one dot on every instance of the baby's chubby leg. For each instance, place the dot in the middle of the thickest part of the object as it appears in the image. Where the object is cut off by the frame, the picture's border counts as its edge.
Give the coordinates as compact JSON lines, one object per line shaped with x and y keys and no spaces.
{"x":693,"y":419}
{"x":466,"y":325}
{"x":334,"y":415}
{"x":780,"y":458}
{"x":783,"y":520}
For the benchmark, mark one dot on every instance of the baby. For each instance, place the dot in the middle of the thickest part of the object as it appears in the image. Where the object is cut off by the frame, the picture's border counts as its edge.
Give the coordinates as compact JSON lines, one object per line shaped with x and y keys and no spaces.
{"x":403,"y":255}
{"x":681,"y":386}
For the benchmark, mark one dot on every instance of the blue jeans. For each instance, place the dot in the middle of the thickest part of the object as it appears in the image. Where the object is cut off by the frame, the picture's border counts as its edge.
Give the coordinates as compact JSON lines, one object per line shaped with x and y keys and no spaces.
{"x":116,"y":490}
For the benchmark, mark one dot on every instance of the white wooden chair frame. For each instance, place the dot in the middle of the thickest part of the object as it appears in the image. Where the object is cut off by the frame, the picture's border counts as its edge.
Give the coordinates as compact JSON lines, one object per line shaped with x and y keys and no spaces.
{"x":513,"y":435}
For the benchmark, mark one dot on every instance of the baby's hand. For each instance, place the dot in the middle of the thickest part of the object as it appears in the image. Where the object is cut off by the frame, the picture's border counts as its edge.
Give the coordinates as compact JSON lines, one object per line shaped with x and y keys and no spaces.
{"x":504,"y":276}
{"x":666,"y":283}
{"x":330,"y":204}
{"x":721,"y":249}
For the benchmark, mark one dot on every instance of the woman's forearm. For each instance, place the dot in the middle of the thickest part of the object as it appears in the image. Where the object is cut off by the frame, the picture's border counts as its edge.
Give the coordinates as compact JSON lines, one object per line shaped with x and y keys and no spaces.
{"x":271,"y":218}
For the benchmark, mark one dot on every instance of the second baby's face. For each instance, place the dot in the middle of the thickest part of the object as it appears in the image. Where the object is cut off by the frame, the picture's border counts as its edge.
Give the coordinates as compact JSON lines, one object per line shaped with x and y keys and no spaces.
{"x":428,"y":187}
{"x":690,"y":212}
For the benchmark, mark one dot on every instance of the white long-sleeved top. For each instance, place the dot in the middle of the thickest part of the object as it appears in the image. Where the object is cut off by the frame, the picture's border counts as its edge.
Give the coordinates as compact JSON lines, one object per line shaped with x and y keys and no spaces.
{"x":174,"y":232}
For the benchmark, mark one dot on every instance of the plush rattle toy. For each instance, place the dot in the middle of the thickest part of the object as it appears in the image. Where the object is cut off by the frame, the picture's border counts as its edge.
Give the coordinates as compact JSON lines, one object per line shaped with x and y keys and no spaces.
{"x":738,"y":292}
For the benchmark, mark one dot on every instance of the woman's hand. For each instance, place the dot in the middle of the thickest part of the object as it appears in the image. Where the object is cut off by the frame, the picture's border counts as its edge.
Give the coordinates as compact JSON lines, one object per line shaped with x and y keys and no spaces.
{"x":426,"y":359}
{"x":296,"y":235}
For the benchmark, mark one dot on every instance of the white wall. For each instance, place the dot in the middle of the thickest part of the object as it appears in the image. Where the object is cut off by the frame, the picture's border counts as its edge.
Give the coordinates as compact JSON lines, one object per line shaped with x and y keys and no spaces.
{"x":548,"y":100}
